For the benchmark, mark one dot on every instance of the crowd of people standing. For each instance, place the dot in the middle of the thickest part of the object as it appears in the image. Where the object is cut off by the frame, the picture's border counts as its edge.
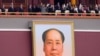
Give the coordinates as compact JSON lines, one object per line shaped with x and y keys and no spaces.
{"x":44,"y":8}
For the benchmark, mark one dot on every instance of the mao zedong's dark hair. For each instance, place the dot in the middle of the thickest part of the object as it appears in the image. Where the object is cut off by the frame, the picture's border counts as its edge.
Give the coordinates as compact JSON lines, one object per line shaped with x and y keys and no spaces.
{"x":45,"y":33}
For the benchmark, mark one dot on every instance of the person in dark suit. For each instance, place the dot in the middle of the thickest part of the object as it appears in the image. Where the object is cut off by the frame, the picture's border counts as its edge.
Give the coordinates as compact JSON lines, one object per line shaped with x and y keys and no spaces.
{"x":80,"y":10}
{"x":88,"y":11}
{"x":34,"y":9}
{"x":3,"y":8}
{"x":68,"y":6}
{"x":51,"y":9}
{"x":11,"y":8}
{"x":72,"y":11}
{"x":30,"y":8}
{"x":96,"y":10}
{"x":57,"y":7}
{"x":38,"y":9}
{"x":63,"y":8}
{"x":21,"y":9}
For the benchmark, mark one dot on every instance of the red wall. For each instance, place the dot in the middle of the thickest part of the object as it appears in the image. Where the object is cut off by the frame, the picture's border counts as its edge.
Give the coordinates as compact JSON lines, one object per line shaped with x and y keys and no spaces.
{"x":18,"y":43}
{"x":87,"y":43}
{"x":15,"y":43}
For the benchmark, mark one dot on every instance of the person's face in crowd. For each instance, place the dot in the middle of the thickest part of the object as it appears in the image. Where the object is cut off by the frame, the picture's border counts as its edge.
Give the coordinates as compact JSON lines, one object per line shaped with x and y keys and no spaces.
{"x":12,"y":5}
{"x":53,"y":45}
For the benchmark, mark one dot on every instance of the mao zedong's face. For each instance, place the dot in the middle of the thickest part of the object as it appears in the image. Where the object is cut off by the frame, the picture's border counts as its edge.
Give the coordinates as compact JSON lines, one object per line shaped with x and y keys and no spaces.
{"x":53,"y":45}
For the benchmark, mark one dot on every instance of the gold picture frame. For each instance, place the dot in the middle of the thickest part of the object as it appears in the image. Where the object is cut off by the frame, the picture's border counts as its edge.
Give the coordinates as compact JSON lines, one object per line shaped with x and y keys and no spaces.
{"x":67,"y":27}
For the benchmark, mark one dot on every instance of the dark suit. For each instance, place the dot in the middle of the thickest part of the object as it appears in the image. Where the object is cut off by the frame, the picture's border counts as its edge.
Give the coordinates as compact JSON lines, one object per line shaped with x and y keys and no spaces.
{"x":72,"y":11}
{"x":20,"y":9}
{"x":57,"y":7}
{"x":97,"y":11}
{"x":30,"y":9}
{"x":11,"y":9}
{"x":37,"y":9}
{"x":51,"y":10}
{"x":34,"y":9}
{"x":80,"y":11}
{"x":88,"y":12}
{"x":3,"y":10}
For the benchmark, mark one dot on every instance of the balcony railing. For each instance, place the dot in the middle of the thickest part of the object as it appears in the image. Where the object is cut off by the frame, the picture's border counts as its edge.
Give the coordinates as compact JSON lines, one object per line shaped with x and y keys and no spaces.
{"x":50,"y":14}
